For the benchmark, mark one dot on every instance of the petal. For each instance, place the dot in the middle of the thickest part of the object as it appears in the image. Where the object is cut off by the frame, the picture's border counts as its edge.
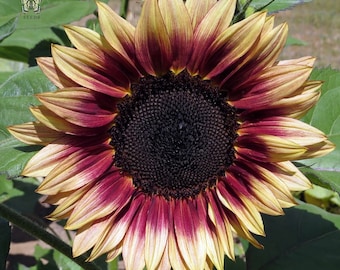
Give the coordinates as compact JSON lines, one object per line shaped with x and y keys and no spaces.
{"x":286,"y":128}
{"x":240,"y":205}
{"x":118,"y":32}
{"x":189,"y":232}
{"x":294,"y":106}
{"x":318,"y":150}
{"x":156,"y":232}
{"x":263,"y":54}
{"x":110,"y":194}
{"x":212,"y":49}
{"x":59,"y":124}
{"x":303,"y":61}
{"x":179,"y":30}
{"x":153,"y":47}
{"x":268,"y":148}
{"x":176,"y":260}
{"x":53,"y":73}
{"x":248,"y":185}
{"x":79,"y":106}
{"x":88,"y":236}
{"x":292,"y":177}
{"x":134,"y":240}
{"x":43,"y":162}
{"x":87,"y":70}
{"x":266,"y":173}
{"x":77,"y":170}
{"x":274,"y":84}
{"x":34,"y":133}
{"x":91,"y":42}
{"x":221,"y":224}
{"x":66,"y":202}
{"x":114,"y":253}
{"x":198,"y":9}
{"x":114,"y":234}
{"x":214,"y":246}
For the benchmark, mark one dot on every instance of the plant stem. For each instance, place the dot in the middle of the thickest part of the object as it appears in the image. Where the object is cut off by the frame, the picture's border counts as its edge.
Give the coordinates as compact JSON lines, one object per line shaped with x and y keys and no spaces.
{"x":39,"y":232}
{"x":124,"y":4}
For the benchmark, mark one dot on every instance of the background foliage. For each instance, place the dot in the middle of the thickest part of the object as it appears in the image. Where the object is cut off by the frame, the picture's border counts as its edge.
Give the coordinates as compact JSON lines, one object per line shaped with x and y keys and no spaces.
{"x":307,"y":237}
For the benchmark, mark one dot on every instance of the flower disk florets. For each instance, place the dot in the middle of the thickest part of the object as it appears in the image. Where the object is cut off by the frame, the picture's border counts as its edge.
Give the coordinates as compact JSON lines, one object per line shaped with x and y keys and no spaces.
{"x":174,"y":135}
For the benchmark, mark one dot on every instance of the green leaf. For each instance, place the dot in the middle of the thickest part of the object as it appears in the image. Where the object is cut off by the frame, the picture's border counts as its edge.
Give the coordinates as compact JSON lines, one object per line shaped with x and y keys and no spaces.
{"x":326,"y":117}
{"x":15,"y":53}
{"x":7,"y":190}
{"x":306,"y":237}
{"x":291,"y":41}
{"x":319,"y":196}
{"x":32,"y":28}
{"x":52,"y":12}
{"x":44,"y":258}
{"x":8,"y":28}
{"x":5,"y":239}
{"x":276,"y":5}
{"x":64,"y":262}
{"x":5,"y":75}
{"x":16,"y":95}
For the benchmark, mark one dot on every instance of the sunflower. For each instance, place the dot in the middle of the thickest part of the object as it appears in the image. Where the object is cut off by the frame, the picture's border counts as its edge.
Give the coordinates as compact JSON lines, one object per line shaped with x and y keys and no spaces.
{"x":164,"y":141}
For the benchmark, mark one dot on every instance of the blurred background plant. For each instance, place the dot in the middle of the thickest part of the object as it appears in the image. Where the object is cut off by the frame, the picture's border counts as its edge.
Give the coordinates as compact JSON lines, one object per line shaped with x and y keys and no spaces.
{"x":307,"y":237}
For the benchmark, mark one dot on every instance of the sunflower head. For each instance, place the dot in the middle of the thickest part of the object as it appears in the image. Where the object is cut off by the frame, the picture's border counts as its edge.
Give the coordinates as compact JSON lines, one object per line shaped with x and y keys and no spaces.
{"x":165,"y":140}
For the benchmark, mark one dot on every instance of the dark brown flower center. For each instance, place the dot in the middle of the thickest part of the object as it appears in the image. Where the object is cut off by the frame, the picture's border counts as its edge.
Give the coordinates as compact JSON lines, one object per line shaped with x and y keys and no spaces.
{"x":174,"y":135}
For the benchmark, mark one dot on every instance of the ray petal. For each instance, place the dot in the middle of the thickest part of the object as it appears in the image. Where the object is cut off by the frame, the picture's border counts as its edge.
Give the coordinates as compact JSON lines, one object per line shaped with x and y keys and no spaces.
{"x":179,"y":30}
{"x":269,"y":148}
{"x":176,"y":259}
{"x":91,"y":42}
{"x":59,"y":124}
{"x":34,"y":133}
{"x":153,"y":46}
{"x":110,"y":194}
{"x":91,"y":72}
{"x":113,"y":236}
{"x":89,"y":235}
{"x":294,"y":106}
{"x":214,"y":53}
{"x":190,"y":234}
{"x":213,"y":242}
{"x":51,"y":155}
{"x":77,"y":170}
{"x":221,"y":223}
{"x":239,"y":204}
{"x":117,"y":31}
{"x":55,"y":75}
{"x":156,"y":232}
{"x":134,"y":240}
{"x":263,"y":54}
{"x":198,"y":10}
{"x":274,"y":84}
{"x":284,"y":127}
{"x":79,"y":106}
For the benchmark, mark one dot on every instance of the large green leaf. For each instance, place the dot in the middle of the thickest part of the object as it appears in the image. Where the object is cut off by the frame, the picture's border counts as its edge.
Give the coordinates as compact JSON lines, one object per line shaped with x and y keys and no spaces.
{"x":52,"y":12}
{"x":307,"y":237}
{"x":8,"y":28}
{"x":33,"y":28}
{"x":277,"y":5}
{"x":326,"y":117}
{"x":7,"y":190}
{"x":16,"y":95}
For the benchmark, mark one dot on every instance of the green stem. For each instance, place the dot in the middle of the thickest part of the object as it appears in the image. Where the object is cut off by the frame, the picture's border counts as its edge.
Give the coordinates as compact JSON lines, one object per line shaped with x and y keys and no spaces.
{"x":124,"y":4}
{"x":37,"y":231}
